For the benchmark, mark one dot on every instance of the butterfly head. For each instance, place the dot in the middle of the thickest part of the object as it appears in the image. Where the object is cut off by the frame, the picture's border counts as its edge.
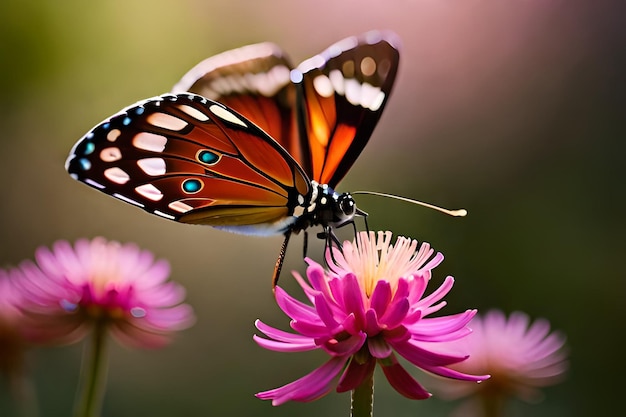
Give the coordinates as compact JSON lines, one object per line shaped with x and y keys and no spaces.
{"x":327,"y":208}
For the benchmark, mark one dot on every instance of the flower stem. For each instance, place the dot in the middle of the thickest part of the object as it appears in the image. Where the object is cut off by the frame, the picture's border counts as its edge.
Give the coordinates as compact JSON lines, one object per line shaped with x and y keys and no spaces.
{"x":93,"y":374}
{"x":363,"y":399}
{"x":23,"y":392}
{"x":493,"y":405}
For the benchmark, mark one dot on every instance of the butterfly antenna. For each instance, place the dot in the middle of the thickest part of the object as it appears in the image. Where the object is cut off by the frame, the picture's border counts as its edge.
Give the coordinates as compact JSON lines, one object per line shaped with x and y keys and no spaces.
{"x":455,"y":213}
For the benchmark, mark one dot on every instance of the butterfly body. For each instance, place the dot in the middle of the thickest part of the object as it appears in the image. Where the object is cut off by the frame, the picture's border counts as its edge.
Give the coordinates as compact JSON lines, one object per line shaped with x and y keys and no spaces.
{"x":246,"y":142}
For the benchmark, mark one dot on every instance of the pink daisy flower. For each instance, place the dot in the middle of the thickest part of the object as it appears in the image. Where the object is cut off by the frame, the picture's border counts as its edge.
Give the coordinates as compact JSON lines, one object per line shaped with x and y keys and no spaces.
{"x":521,"y":357}
{"x":71,"y":289}
{"x":369,"y":306}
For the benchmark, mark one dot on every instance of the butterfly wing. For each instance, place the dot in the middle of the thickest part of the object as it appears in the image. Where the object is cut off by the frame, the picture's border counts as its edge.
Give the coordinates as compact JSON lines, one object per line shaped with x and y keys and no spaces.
{"x":186,"y":158}
{"x":343,"y":91}
{"x":254,"y":81}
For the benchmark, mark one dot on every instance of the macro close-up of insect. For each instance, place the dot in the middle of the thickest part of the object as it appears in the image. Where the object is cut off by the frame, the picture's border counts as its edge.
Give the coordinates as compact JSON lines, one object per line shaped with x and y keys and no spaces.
{"x":245,"y":142}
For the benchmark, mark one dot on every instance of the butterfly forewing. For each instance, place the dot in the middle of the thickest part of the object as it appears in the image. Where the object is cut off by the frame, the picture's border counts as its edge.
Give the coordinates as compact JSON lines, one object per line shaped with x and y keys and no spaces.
{"x":344,"y":89}
{"x":193,"y":160}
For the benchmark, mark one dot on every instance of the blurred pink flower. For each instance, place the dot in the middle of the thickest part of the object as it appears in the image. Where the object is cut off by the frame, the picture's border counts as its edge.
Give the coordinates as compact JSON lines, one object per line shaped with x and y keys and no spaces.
{"x":521,"y":357}
{"x":72,"y":288}
{"x":12,"y":341}
{"x":368,"y":305}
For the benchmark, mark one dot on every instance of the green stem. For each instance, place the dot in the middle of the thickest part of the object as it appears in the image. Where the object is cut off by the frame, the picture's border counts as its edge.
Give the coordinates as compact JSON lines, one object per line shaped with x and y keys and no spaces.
{"x":93,"y":374}
{"x":493,"y":405}
{"x":363,"y":399}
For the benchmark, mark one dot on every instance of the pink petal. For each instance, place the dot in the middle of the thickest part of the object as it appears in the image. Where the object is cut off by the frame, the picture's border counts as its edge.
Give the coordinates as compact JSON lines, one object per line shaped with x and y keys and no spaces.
{"x":381,"y":296}
{"x":379,"y":348}
{"x":440,"y":329}
{"x":324,"y":312}
{"x":395,"y":314}
{"x":281,"y":335}
{"x":421,"y":357}
{"x":353,"y":298}
{"x":293,"y":308}
{"x":355,"y":374}
{"x":308,"y":388}
{"x":451,"y":373}
{"x":404,"y":383}
{"x":438,"y":294}
{"x":372,"y":326}
{"x":345,"y":347}
{"x":285,"y":346}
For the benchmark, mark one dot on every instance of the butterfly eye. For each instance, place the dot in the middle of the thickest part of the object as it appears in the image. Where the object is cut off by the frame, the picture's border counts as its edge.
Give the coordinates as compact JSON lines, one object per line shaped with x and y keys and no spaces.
{"x":347,"y":205}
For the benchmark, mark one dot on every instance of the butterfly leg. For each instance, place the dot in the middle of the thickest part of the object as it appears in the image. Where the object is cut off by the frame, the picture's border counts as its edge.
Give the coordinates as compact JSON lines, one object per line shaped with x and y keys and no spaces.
{"x":331,"y":241}
{"x":305,"y":244}
{"x":281,"y":259}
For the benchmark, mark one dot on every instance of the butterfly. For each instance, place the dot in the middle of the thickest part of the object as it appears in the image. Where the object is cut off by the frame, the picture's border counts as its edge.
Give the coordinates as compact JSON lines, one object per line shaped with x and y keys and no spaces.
{"x":246,"y":142}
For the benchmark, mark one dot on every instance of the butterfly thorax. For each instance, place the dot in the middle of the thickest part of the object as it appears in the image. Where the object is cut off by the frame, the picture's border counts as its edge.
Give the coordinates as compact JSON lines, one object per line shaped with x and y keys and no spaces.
{"x":325,"y":208}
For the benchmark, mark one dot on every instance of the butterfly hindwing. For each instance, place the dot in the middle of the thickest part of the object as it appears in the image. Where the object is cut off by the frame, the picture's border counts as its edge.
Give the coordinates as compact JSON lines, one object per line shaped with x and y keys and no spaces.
{"x":189,"y":159}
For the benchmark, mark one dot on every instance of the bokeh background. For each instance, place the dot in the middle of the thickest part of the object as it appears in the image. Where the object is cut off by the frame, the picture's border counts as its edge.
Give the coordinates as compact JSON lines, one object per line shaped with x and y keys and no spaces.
{"x":511,"y":109}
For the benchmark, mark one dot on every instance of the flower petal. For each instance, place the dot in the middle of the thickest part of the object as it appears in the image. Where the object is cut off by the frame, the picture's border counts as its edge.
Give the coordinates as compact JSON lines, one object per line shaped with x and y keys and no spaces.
{"x":404,"y":383}
{"x":378,"y":347}
{"x":293,"y":308}
{"x":355,"y":374}
{"x":308,"y":388}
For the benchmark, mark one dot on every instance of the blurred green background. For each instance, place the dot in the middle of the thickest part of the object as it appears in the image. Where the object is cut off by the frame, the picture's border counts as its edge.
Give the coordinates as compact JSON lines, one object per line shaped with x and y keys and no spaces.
{"x":511,"y":109}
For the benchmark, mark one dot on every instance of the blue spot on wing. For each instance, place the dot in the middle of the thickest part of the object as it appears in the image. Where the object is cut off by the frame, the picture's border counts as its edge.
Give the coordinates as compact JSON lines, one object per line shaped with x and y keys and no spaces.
{"x":208,"y":157}
{"x":192,"y":186}
{"x":89,"y":148}
{"x":85,"y":164}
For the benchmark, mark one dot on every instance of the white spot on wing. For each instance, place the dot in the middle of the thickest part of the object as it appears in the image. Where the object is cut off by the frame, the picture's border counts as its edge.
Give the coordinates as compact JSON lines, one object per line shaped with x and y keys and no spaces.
{"x":167,"y":216}
{"x":149,"y":142}
{"x":193,"y":112}
{"x":226,"y":115}
{"x":371,"y":97}
{"x":316,"y":61}
{"x":323,"y":86}
{"x":338,"y":81}
{"x":298,"y":211}
{"x":353,"y":91}
{"x":128,"y":200}
{"x":113,"y":135}
{"x":180,"y":207}
{"x":111,"y":154}
{"x":152,"y":166}
{"x":271,"y":82}
{"x":93,"y":183}
{"x":166,"y":121}
{"x":150,"y":192}
{"x":117,"y":175}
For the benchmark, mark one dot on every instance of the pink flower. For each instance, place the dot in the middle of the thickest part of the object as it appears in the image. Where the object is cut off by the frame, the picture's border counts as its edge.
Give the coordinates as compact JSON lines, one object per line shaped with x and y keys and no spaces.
{"x":521,"y":357}
{"x":12,"y":341}
{"x":367,"y":308}
{"x":71,"y":289}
